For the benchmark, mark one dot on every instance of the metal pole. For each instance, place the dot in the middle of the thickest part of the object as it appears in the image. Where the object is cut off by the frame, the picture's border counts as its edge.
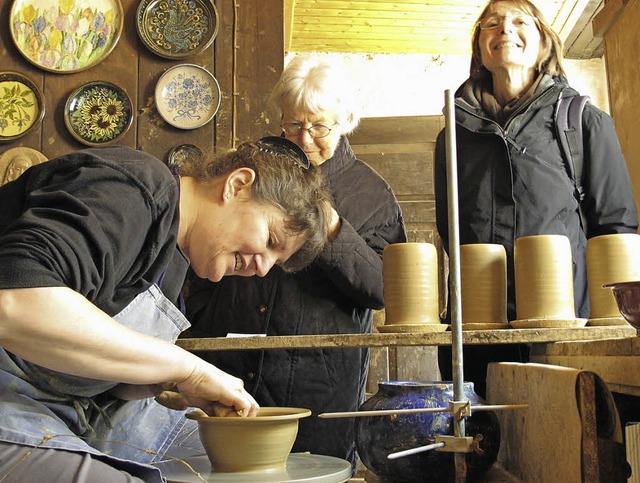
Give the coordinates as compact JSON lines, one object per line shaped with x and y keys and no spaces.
{"x":454,"y":274}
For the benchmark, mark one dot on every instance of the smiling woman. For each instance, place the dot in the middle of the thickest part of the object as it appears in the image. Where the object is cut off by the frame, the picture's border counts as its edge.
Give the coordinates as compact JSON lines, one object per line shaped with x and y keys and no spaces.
{"x":94,"y":249}
{"x":513,"y":180}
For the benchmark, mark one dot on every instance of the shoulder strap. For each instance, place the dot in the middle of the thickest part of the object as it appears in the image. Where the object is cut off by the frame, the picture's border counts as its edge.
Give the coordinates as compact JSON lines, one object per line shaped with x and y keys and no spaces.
{"x":568,"y":118}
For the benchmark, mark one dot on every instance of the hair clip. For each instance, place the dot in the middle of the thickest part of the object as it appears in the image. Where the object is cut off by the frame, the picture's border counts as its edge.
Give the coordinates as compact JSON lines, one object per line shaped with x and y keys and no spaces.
{"x":283,"y":147}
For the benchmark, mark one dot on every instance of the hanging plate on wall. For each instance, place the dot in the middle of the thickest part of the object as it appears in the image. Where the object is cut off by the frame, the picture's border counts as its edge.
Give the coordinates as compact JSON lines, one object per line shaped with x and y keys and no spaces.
{"x":187,"y":96}
{"x":21,"y":105}
{"x":176,"y":29}
{"x":98,"y":113}
{"x":65,"y":36}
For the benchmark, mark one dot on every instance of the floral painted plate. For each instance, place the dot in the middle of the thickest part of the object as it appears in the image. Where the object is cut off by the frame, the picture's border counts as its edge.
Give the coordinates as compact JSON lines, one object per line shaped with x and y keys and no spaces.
{"x":98,"y":113}
{"x":176,"y":29}
{"x":21,"y":105}
{"x":187,"y":96}
{"x":65,"y":36}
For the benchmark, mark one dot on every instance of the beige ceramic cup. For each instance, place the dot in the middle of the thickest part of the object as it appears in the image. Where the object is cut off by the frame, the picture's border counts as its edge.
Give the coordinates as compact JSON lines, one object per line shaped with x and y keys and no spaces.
{"x":410,"y":273}
{"x":610,"y":258}
{"x":543,"y":278}
{"x":483,"y":277}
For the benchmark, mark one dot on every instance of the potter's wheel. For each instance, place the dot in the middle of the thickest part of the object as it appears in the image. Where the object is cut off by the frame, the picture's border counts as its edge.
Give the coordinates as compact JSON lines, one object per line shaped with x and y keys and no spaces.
{"x":301,"y":468}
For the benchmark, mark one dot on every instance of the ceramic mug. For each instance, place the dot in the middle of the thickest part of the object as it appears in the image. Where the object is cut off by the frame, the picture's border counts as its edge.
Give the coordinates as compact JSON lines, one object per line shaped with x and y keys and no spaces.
{"x":410,"y":272}
{"x":483,"y":277}
{"x":544,"y":277}
{"x":610,"y":258}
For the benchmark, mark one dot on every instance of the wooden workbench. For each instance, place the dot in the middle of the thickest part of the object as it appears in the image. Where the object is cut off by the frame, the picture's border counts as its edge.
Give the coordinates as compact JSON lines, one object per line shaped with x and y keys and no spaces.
{"x":505,"y":336}
{"x":616,"y":361}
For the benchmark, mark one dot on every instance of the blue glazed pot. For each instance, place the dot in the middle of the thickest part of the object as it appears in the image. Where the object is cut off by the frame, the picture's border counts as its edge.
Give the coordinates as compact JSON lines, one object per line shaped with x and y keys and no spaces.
{"x":378,"y":436}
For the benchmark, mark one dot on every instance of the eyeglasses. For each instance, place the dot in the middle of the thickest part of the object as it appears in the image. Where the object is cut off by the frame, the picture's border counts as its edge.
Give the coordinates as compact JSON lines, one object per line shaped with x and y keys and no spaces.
{"x":283,"y":147}
{"x":519,"y":21}
{"x":315,"y":131}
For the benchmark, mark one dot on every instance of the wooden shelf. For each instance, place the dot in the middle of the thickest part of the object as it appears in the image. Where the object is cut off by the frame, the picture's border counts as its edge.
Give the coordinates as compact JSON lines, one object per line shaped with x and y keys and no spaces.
{"x":327,"y":341}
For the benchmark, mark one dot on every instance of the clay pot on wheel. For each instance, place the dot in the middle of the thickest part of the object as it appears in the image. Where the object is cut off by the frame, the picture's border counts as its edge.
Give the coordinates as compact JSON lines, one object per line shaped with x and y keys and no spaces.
{"x":378,"y":436}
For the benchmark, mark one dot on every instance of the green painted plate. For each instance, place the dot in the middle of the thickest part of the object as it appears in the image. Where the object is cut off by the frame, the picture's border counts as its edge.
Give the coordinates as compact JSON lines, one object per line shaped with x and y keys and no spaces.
{"x":21,"y":105}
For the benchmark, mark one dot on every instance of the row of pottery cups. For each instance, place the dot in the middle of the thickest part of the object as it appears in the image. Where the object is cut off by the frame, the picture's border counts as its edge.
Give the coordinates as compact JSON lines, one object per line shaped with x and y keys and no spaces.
{"x":543,"y":283}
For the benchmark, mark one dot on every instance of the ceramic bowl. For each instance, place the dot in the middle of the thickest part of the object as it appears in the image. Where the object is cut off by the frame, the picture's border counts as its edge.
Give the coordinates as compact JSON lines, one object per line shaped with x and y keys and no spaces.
{"x":260,"y":443}
{"x":627,"y":295}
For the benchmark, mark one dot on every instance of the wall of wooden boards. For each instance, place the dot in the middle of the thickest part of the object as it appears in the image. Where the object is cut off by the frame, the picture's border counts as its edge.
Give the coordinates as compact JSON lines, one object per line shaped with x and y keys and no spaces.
{"x":401,"y":149}
{"x":622,"y":44}
{"x":246,"y":59}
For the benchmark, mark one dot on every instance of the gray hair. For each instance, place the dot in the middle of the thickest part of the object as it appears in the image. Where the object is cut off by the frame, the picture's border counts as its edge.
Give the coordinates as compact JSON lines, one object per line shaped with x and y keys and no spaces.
{"x":312,"y":84}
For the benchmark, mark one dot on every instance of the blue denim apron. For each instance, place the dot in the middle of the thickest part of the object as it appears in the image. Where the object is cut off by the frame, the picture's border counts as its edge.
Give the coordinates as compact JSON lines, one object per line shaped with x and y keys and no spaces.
{"x":49,"y":409}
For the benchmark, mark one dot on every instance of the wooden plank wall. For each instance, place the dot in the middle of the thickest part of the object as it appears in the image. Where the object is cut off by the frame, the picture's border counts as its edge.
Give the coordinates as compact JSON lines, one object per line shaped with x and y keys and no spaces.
{"x":401,"y":149}
{"x":246,"y":59}
{"x":622,"y":43}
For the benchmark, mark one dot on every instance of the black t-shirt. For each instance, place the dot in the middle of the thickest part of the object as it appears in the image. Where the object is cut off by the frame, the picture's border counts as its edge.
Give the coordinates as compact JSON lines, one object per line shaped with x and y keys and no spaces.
{"x":101,"y":221}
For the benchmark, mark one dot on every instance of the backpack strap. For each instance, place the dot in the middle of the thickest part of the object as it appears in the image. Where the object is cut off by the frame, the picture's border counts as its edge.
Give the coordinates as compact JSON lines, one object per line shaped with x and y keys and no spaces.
{"x":568,"y":120}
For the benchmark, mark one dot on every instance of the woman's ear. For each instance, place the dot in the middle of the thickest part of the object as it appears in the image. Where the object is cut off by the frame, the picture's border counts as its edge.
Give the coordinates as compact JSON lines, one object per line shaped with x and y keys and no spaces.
{"x":238,"y":181}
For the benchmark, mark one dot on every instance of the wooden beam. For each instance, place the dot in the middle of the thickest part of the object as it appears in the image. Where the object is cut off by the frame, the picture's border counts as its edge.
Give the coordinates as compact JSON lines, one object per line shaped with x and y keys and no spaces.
{"x":605,"y":19}
{"x":289,"y":10}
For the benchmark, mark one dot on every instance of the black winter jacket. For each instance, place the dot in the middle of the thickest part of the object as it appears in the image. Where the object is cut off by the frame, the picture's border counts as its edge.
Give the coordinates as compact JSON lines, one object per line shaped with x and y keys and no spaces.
{"x":335,"y":295}
{"x":512,"y":180}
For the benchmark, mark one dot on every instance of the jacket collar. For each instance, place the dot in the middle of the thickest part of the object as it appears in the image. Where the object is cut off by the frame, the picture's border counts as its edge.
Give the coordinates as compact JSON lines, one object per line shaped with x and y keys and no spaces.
{"x":342,"y":158}
{"x":548,"y":91}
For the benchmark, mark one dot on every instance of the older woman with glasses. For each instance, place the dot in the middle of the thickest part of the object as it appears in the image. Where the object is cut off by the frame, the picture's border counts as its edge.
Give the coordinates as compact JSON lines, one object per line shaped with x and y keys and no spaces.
{"x":513,"y":179}
{"x":335,"y":295}
{"x":94,"y":249}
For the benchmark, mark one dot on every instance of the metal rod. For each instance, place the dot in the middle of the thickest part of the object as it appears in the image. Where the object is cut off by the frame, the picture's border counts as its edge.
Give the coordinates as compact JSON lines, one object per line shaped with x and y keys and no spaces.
{"x":421,"y":449}
{"x":454,"y":274}
{"x":391,"y":412}
{"x":381,"y":412}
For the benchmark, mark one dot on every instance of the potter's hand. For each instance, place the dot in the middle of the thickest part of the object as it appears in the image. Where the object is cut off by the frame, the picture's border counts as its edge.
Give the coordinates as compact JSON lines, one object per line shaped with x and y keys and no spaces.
{"x":206,"y":386}
{"x":172,"y":400}
{"x":175,"y":400}
{"x":334,"y":224}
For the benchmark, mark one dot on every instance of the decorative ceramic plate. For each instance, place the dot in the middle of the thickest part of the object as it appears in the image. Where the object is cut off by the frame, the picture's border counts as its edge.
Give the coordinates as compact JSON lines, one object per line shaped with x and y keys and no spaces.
{"x":176,"y":29}
{"x":407,"y":328}
{"x":98,"y":113}
{"x":185,"y":154}
{"x":548,"y":323}
{"x":21,"y":105}
{"x":65,"y":36}
{"x":187,"y":96}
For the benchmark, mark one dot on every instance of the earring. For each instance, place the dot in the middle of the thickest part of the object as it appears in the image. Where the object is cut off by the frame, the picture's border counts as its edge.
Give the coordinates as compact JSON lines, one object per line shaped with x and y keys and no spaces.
{"x":228,"y":196}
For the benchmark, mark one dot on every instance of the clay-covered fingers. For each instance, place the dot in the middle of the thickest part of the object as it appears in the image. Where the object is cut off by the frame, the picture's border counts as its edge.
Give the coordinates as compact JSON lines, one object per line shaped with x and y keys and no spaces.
{"x":173,"y":400}
{"x":208,"y":385}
